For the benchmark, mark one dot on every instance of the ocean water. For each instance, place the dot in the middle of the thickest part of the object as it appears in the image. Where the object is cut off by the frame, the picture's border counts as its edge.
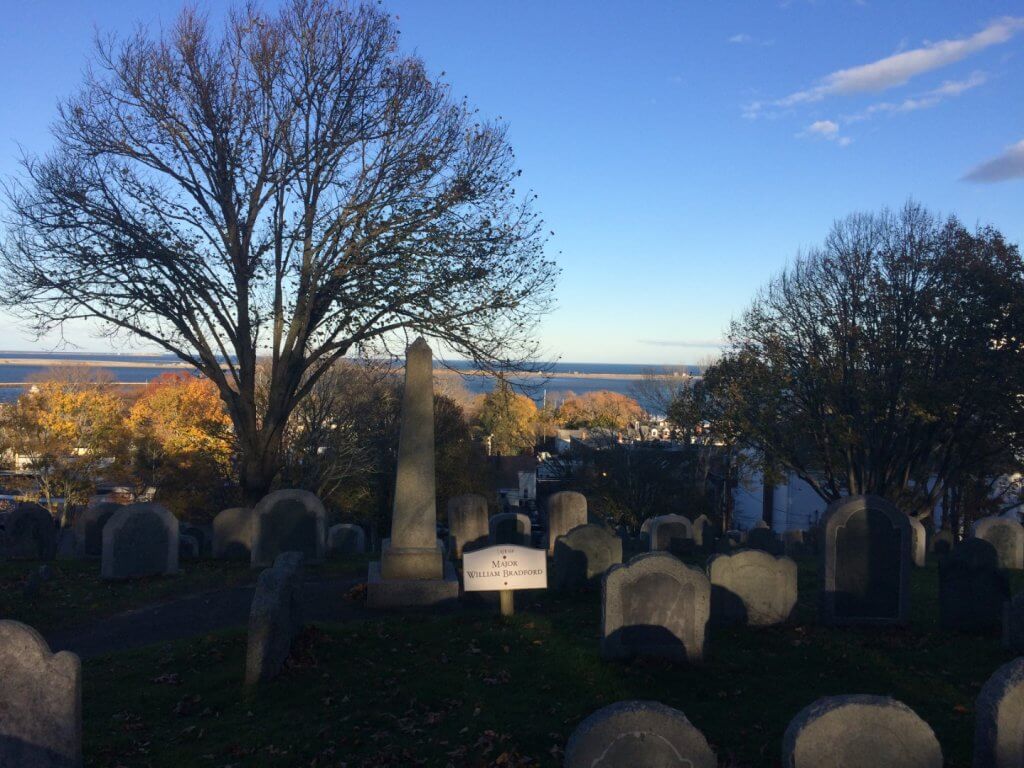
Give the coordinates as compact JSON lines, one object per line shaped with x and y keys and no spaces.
{"x":553,"y":385}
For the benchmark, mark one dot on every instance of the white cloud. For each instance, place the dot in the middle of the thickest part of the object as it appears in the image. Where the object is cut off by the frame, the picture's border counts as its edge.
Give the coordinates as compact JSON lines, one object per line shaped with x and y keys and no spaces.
{"x":741,"y":38}
{"x":899,"y":68}
{"x":949,"y":89}
{"x":825,"y":128}
{"x":1004,"y":167}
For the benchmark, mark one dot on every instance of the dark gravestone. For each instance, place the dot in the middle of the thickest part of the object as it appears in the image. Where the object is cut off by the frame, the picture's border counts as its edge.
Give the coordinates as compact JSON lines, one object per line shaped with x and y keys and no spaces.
{"x":1007,"y":536}
{"x":200,"y":536}
{"x":655,"y":606}
{"x":140,"y":540}
{"x":866,"y":572}
{"x":89,"y":528}
{"x":188,"y":547}
{"x":859,"y":732}
{"x":31,"y":533}
{"x":765,"y":540}
{"x":638,"y":734}
{"x":289,"y":521}
{"x":1013,"y":624}
{"x":942,"y":543}
{"x":999,"y":719}
{"x":346,"y":539}
{"x":583,"y":555}
{"x":672,"y":533}
{"x":972,"y":589}
{"x":509,"y":528}
{"x":275,"y":617}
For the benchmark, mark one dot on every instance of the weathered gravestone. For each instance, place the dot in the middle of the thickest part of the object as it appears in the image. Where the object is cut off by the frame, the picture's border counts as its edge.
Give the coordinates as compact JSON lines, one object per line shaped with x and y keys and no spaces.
{"x":583,"y":555}
{"x":566,"y":510}
{"x":859,"y":732}
{"x":918,"y":542}
{"x":30,"y":533}
{"x":40,"y":702}
{"x":188,"y":547}
{"x":645,"y":533}
{"x":704,"y":533}
{"x":346,"y":539}
{"x":1007,"y":536}
{"x":288,"y":521}
{"x":655,"y":606}
{"x":232,"y":534}
{"x":509,"y":528}
{"x":467,"y":523}
{"x":672,"y":533}
{"x":636,"y":734}
{"x":972,"y":589}
{"x":199,"y":533}
{"x":1013,"y":623}
{"x":140,"y":540}
{"x":999,"y":719}
{"x":752,"y":587}
{"x":866,"y":573}
{"x":89,"y":528}
{"x":274,"y":618}
{"x":942,"y":543}
{"x":413,"y":571}
{"x":763,"y":539}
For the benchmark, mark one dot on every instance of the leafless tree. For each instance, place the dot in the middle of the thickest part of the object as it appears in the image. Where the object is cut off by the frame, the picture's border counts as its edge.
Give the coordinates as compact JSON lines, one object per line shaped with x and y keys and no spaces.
{"x":291,"y":187}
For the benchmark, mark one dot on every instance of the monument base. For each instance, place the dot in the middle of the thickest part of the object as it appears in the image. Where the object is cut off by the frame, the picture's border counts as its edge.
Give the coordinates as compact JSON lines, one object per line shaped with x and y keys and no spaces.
{"x":411,"y":562}
{"x":411,"y":593}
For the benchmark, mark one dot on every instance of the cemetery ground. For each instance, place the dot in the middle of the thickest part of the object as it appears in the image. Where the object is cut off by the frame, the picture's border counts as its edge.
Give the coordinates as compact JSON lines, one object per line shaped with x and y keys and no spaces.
{"x":472,"y":689}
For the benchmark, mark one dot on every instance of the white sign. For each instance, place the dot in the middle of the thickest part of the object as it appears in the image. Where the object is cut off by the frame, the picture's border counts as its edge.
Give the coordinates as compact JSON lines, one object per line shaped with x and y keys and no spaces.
{"x":505,"y":566}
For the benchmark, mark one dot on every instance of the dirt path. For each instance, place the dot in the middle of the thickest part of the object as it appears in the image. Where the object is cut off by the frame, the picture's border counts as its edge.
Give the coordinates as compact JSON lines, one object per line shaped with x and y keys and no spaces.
{"x":322,"y":600}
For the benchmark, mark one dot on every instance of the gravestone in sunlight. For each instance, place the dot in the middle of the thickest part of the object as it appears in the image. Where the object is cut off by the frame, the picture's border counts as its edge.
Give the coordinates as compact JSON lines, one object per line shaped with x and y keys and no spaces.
{"x":566,"y":510}
{"x":467,"y":523}
{"x":413,"y":571}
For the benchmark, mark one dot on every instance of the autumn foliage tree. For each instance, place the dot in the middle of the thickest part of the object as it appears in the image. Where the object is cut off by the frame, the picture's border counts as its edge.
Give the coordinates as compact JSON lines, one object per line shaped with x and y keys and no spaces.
{"x":507,"y":419}
{"x":183,"y":444}
{"x":599,"y":410}
{"x":69,"y":429}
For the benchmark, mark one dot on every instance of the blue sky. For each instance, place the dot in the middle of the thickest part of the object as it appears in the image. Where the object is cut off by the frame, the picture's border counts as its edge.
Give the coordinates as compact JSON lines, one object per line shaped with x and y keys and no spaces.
{"x":682,"y":152}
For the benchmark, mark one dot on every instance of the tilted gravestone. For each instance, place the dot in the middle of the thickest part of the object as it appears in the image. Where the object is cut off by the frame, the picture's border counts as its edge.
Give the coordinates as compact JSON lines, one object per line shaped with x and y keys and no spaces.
{"x":566,"y":510}
{"x":40,"y":701}
{"x":655,"y":606}
{"x":30,"y":533}
{"x":764,"y":539}
{"x":672,"y":533}
{"x":232,"y":534}
{"x":346,"y":539}
{"x":1007,"y":536}
{"x":638,"y":733}
{"x":140,"y":540}
{"x":859,"y":732}
{"x":288,"y":521}
{"x":509,"y":528}
{"x":866,"y":572}
{"x":918,"y":542}
{"x":752,"y":587}
{"x":467,"y":523}
{"x":972,"y":588}
{"x":999,"y":719}
{"x":89,"y":528}
{"x":1013,"y":623}
{"x":583,"y":555}
{"x":274,"y":618}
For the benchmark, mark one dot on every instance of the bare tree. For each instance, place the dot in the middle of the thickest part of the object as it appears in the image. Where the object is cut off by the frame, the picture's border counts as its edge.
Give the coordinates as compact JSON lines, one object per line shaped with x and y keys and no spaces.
{"x":293,"y":188}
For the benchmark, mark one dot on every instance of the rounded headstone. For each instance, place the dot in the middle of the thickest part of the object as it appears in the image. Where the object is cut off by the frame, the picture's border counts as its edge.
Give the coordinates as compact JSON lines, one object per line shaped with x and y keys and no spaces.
{"x":859,"y":732}
{"x":140,"y":540}
{"x":655,"y":606}
{"x":40,"y":701}
{"x":509,"y":528}
{"x":637,"y":734}
{"x":232,"y":534}
{"x":89,"y":528}
{"x":346,"y":539}
{"x":583,"y":555}
{"x":972,"y":589}
{"x":289,"y":520}
{"x":30,"y":534}
{"x":999,"y":719}
{"x":1006,"y":535}
{"x":566,"y":510}
{"x":672,"y":533}
{"x":467,"y":523}
{"x":752,"y":587}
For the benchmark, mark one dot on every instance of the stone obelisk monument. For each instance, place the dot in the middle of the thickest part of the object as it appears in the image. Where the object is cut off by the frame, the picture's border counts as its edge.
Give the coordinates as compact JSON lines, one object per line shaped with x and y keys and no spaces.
{"x":413,"y":571}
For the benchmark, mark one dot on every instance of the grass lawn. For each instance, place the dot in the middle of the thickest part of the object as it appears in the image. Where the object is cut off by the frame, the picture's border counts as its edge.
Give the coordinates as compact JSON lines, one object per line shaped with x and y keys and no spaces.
{"x":471,"y":689}
{"x":76,"y":594}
